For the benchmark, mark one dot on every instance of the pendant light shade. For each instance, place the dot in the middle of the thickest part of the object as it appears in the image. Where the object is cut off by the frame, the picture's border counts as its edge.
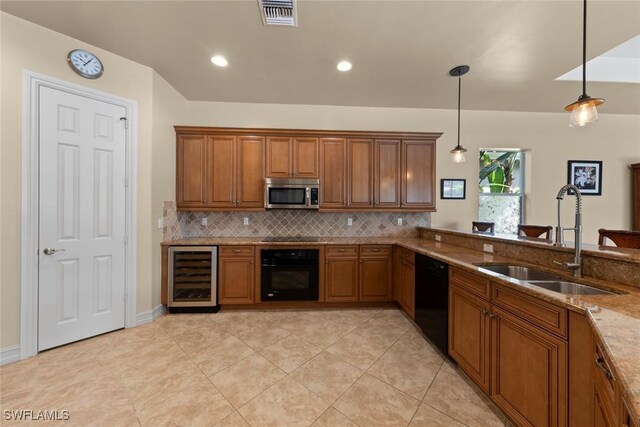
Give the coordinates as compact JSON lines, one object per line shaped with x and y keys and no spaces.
{"x":584,"y":111}
{"x":458,"y":151}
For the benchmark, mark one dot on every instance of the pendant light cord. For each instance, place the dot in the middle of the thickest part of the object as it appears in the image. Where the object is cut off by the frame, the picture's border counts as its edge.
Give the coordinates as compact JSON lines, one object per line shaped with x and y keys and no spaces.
{"x":584,"y":49}
{"x":459,"y":92}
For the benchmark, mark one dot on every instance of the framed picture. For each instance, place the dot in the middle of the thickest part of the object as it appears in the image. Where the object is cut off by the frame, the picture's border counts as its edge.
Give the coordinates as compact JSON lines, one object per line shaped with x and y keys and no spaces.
{"x":586,"y":175}
{"x":453,"y":188}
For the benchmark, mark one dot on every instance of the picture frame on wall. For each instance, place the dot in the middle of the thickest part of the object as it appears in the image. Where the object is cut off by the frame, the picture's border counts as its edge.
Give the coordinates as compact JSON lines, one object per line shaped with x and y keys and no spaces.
{"x":453,"y":189}
{"x":586,"y":175}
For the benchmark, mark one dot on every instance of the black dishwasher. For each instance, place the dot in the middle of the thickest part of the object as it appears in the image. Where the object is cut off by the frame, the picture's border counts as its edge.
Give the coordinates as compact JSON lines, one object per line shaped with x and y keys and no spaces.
{"x":432,"y":300}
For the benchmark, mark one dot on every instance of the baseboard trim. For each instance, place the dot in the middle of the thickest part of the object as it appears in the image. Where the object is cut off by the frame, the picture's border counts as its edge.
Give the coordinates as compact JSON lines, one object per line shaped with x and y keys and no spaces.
{"x":9,"y":354}
{"x":150,"y":315}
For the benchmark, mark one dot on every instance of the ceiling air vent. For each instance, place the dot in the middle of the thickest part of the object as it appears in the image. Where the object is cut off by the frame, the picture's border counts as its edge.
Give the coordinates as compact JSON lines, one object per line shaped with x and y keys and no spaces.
{"x":279,"y":12}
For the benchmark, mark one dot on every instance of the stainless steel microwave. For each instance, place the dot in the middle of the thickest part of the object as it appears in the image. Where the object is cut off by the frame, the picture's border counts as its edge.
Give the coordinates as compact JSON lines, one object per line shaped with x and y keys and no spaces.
{"x":291,"y":193}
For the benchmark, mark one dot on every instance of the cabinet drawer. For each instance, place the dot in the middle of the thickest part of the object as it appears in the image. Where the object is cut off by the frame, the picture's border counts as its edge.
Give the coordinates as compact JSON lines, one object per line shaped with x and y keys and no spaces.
{"x":236,"y":251}
{"x":407,"y":255}
{"x":470,"y":282}
{"x":375,"y":250}
{"x":627,"y":418}
{"x":342,"y":250}
{"x":538,"y":312}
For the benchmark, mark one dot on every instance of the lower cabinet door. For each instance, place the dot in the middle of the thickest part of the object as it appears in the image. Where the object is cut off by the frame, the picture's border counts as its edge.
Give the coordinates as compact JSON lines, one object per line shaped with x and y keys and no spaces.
{"x":341,"y":279}
{"x":470,"y":334}
{"x":235,"y":280}
{"x":600,"y":418}
{"x":375,"y":279}
{"x":529,"y":372}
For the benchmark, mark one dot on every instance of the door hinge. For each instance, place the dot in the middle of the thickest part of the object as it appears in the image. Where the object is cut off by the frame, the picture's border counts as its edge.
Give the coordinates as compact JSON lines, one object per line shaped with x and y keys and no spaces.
{"x":125,"y":239}
{"x":126,"y":182}
{"x":124,"y":297}
{"x":126,"y":122}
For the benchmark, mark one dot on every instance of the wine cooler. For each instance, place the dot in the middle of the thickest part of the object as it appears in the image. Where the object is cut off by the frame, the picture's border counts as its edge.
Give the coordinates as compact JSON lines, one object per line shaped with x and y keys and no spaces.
{"x":193,"y":274}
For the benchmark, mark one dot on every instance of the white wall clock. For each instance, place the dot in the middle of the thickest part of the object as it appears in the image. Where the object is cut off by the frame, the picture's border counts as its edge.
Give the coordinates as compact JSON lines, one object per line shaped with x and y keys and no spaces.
{"x":85,"y":63}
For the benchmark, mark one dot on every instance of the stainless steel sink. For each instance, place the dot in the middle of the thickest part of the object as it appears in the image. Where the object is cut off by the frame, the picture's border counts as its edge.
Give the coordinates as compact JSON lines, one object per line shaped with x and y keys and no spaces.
{"x":570,"y":288}
{"x":519,"y":272}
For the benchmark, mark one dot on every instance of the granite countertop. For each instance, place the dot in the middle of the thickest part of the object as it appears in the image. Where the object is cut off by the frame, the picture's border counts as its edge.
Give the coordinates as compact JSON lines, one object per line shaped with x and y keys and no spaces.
{"x":615,"y":318}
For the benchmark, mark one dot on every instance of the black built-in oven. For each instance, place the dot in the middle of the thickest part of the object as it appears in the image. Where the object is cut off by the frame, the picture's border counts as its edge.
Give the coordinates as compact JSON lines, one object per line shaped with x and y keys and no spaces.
{"x":289,"y":274}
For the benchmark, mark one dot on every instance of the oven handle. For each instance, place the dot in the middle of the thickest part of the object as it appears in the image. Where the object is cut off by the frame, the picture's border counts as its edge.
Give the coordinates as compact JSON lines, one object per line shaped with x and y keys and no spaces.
{"x":308,"y":193}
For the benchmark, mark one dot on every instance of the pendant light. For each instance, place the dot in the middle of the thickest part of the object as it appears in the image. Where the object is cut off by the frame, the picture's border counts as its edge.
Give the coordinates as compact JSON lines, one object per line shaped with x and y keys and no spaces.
{"x":458,"y":151}
{"x":584,"y":111}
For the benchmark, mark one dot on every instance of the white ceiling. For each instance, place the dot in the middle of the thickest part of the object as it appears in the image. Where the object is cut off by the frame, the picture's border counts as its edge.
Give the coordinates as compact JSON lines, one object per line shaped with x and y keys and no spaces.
{"x":401,"y":50}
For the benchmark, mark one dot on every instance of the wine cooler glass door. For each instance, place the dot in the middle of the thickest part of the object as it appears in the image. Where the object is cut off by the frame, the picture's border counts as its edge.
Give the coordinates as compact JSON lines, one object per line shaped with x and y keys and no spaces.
{"x":192,"y":276}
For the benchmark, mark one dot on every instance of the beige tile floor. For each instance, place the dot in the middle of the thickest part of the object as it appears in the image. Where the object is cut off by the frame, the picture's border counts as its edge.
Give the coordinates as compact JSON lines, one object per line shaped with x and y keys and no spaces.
{"x":335,"y":368}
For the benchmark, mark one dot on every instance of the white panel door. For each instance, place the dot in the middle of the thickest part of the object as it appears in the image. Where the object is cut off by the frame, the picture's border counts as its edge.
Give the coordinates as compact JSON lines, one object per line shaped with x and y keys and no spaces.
{"x":81,"y":283}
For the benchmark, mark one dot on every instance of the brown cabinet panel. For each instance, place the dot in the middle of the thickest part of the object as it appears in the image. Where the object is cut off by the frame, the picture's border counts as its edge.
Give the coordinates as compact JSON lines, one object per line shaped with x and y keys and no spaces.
{"x":375,"y":274}
{"x":418,"y":174}
{"x":341,"y":278}
{"x":190,"y":170}
{"x":250,"y":183}
{"x":406,"y":295}
{"x":471,"y":282}
{"x":529,"y":372}
{"x":360,"y":162}
{"x":635,"y":170}
{"x":347,"y":250}
{"x":305,"y":157}
{"x":221,"y":171}
{"x":470,"y":334}
{"x":333,"y":172}
{"x":387,"y":167}
{"x":236,"y":275}
{"x":581,"y":378}
{"x":278,"y":153}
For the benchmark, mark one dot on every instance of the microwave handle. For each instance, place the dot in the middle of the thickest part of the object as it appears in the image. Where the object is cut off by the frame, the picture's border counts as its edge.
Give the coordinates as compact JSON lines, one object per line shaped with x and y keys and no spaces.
{"x":308,"y":193}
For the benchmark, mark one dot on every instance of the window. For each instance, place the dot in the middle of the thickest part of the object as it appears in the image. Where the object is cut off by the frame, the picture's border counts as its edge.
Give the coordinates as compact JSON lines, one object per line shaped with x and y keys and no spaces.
{"x":501,"y":189}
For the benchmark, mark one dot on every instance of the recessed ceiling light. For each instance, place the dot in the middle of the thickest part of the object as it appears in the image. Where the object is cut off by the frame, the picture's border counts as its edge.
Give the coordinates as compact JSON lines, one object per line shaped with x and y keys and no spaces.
{"x":344,"y":66}
{"x":219,"y":60}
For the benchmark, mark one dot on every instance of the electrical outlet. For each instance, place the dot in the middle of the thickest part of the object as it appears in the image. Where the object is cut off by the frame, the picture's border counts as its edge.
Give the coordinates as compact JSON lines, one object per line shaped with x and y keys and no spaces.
{"x":160,"y":223}
{"x":349,"y":222}
{"x":400,"y":222}
{"x":438,"y":238}
{"x":245,"y":221}
{"x":488,"y":248}
{"x":205,"y":221}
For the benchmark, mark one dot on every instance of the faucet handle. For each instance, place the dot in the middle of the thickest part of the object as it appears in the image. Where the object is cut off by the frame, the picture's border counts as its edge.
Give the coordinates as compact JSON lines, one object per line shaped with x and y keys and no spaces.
{"x":568,"y":265}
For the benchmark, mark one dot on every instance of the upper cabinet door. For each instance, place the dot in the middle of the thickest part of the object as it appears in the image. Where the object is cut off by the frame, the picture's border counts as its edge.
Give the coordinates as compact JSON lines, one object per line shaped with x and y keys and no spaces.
{"x":386,"y":181}
{"x":278,"y":160}
{"x":360,"y":155}
{"x":333,"y":173}
{"x":305,"y":157}
{"x":418,"y":174}
{"x":250,"y":172}
{"x":221,"y":172}
{"x":190,"y":171}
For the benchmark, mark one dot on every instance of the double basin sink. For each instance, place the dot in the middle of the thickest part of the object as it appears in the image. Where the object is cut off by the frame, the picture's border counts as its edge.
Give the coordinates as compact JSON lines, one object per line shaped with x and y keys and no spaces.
{"x":543,"y":280}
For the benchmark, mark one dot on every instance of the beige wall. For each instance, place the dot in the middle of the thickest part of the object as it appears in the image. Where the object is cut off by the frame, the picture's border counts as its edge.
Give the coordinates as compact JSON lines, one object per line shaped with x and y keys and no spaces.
{"x":549,"y":142}
{"x":28,"y":46}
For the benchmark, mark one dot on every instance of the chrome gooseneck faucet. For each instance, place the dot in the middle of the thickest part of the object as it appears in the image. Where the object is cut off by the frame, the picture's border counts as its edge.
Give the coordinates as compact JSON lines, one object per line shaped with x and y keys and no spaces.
{"x":576,"y":265}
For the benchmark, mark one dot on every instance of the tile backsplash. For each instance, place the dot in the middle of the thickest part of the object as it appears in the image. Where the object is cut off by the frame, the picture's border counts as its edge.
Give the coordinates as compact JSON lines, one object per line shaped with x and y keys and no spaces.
{"x":180,"y":224}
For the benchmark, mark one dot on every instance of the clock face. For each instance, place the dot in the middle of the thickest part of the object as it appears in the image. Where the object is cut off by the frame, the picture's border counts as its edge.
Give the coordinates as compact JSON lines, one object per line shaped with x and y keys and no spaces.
{"x":85,"y":63}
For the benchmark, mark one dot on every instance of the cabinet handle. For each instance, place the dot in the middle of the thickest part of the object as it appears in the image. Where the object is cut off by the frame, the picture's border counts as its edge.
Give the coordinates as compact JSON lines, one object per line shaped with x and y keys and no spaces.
{"x":484,"y":312}
{"x":603,"y":366}
{"x":492,"y":316}
{"x":341,"y":250}
{"x":375,"y":250}
{"x":237,"y":251}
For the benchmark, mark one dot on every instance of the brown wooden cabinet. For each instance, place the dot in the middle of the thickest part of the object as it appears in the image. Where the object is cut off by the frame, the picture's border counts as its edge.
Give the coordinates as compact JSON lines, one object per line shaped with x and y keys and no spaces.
{"x":341,"y":274}
{"x":236,"y":275}
{"x":407,"y":279}
{"x":513,"y":346}
{"x":295,"y":157}
{"x":191,"y":170}
{"x":360,"y":173}
{"x":529,"y":371}
{"x":418,"y":178}
{"x":376,"y":273}
{"x":470,"y":334}
{"x":333,"y":173}
{"x":219,"y":172}
{"x":387,"y":173}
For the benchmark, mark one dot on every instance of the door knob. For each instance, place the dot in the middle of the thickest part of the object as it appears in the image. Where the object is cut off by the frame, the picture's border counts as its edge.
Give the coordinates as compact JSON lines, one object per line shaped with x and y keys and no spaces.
{"x":51,"y":251}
